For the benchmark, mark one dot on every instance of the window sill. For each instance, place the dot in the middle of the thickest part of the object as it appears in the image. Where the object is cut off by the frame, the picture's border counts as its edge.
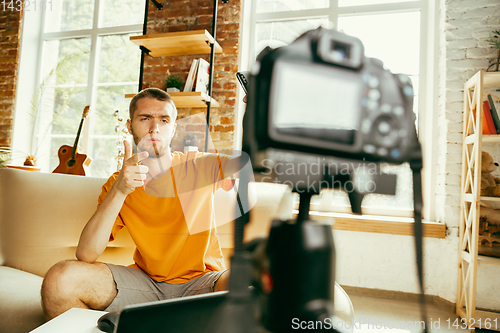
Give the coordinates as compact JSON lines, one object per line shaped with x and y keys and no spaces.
{"x":377,"y":224}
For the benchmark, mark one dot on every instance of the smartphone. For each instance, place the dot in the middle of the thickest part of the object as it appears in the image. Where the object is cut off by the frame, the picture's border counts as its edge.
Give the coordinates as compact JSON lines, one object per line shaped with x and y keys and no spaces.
{"x":242,"y":78}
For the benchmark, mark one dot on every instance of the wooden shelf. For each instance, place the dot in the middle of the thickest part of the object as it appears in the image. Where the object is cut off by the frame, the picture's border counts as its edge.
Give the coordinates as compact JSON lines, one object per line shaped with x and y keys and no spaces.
{"x":188,"y":99}
{"x":491,"y":138}
{"x":490,"y":199}
{"x":481,"y":258}
{"x":486,"y":138}
{"x":469,"y":238}
{"x":488,"y":260}
{"x":488,"y":319}
{"x":177,"y":43}
{"x":491,"y":79}
{"x":483,"y":318}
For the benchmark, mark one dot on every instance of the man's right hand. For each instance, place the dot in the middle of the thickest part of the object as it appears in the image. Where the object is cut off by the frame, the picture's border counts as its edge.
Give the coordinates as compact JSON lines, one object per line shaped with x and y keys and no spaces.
{"x":132,"y":174}
{"x":95,"y":235}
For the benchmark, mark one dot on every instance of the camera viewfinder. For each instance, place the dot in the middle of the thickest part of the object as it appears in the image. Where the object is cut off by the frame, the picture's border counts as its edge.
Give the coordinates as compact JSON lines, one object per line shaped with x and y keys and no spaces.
{"x":340,"y":51}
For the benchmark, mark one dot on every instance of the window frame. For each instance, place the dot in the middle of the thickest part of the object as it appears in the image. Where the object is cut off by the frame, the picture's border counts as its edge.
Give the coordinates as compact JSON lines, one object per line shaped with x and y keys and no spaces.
{"x":428,"y":70}
{"x":28,"y":81}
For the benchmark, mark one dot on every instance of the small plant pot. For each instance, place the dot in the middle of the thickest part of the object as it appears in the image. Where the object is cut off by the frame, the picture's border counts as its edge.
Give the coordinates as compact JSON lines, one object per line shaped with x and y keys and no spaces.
{"x":173,"y":90}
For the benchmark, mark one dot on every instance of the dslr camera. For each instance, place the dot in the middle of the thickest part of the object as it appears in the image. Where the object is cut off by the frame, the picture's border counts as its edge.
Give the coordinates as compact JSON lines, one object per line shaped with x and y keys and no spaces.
{"x":321,"y":96}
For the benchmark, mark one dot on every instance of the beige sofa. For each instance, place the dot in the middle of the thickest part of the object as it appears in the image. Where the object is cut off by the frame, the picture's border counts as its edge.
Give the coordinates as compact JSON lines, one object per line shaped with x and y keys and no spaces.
{"x":42,"y":215}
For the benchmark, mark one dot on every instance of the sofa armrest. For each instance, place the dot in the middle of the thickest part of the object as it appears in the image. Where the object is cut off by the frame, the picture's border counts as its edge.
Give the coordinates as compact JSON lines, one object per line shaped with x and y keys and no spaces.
{"x":42,"y":216}
{"x":20,"y":303}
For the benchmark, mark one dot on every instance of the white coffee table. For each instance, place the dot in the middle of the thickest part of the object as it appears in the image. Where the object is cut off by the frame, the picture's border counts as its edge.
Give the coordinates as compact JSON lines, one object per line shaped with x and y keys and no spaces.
{"x":74,"y":320}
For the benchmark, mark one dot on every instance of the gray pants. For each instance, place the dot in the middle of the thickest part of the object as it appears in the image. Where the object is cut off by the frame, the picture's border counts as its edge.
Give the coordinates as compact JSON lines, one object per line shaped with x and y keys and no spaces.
{"x":135,"y":286}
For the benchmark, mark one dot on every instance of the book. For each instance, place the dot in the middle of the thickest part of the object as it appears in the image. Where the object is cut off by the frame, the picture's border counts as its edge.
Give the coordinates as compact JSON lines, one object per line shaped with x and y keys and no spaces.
{"x":488,"y":125}
{"x":190,"y":79}
{"x":494,"y":114}
{"x":202,"y":75}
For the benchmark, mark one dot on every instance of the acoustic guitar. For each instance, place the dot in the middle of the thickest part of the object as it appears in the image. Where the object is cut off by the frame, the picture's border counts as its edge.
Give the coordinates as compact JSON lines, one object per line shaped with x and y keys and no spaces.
{"x":70,"y":161}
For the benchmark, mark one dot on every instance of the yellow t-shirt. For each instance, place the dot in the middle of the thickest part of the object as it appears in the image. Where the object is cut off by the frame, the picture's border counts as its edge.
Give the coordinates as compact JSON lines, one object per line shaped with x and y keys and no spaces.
{"x":172,"y":221}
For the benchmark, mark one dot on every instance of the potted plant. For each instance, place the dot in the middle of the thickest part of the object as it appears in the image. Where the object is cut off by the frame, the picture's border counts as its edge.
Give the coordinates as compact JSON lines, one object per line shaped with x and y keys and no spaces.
{"x":5,"y":156}
{"x":174,"y":84}
{"x":495,"y":42}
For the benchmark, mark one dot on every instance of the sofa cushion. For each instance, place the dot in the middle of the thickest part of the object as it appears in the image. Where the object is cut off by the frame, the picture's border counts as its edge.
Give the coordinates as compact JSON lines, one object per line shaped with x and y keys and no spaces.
{"x":42,"y":217}
{"x":20,"y":303}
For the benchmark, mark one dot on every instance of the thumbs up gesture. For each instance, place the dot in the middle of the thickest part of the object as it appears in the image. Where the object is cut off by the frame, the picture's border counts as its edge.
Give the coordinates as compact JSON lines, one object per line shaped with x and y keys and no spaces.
{"x":132,"y":174}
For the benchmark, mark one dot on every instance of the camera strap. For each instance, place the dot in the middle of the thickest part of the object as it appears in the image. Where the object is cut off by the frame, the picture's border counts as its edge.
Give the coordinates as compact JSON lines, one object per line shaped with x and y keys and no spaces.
{"x":418,"y":234}
{"x":236,"y":315}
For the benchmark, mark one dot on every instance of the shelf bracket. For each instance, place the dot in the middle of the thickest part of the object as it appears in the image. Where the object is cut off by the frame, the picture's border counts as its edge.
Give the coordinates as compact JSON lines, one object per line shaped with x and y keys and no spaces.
{"x":211,"y":70}
{"x":158,"y":5}
{"x":145,"y":49}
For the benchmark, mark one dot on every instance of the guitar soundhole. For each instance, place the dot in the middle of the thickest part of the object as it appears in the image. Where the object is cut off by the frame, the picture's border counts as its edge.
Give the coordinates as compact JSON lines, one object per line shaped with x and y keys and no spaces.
{"x":64,"y":151}
{"x":71,"y":163}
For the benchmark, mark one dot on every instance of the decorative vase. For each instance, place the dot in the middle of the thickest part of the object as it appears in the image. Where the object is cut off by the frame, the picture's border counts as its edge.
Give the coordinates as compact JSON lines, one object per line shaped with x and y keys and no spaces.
{"x":190,"y":148}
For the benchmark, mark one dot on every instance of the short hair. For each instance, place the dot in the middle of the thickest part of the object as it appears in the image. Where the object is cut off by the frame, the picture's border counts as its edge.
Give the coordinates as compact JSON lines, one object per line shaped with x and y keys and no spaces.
{"x":153,"y":93}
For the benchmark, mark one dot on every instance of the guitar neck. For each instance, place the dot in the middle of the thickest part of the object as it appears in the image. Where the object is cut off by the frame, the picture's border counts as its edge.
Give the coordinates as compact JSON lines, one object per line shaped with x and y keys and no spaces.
{"x":73,"y":151}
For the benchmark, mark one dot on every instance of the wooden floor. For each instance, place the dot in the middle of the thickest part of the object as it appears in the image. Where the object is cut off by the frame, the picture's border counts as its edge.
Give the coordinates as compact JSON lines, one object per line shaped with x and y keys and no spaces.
{"x":376,"y":314}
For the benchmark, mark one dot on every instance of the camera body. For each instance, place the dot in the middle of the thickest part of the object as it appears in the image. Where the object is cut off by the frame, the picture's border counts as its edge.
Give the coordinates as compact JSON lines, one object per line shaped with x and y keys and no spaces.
{"x":321,"y":96}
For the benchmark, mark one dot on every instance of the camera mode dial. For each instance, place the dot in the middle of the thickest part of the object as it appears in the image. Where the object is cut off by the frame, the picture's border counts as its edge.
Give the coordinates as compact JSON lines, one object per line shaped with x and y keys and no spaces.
{"x":385,"y":133}
{"x":381,"y":128}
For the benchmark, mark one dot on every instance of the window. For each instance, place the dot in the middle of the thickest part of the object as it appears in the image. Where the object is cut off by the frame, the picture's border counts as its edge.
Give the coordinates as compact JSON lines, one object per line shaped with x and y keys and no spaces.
{"x":85,"y":58}
{"x":395,"y":31}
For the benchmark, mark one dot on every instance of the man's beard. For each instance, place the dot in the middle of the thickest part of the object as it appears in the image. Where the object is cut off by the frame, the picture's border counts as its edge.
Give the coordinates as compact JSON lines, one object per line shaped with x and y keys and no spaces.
{"x":154,"y":149}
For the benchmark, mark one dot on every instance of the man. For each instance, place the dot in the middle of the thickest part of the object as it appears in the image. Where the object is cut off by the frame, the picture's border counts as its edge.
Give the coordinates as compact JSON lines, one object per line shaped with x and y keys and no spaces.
{"x":164,"y":199}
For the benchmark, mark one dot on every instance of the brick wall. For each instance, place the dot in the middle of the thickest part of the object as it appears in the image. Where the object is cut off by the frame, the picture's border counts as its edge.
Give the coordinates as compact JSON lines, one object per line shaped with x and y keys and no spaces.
{"x":463,"y":51}
{"x":465,"y":25}
{"x":9,"y":56}
{"x":187,"y":15}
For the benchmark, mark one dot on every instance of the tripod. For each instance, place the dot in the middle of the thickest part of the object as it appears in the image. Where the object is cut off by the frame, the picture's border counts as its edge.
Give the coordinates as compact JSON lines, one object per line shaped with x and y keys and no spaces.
{"x":299,"y":257}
